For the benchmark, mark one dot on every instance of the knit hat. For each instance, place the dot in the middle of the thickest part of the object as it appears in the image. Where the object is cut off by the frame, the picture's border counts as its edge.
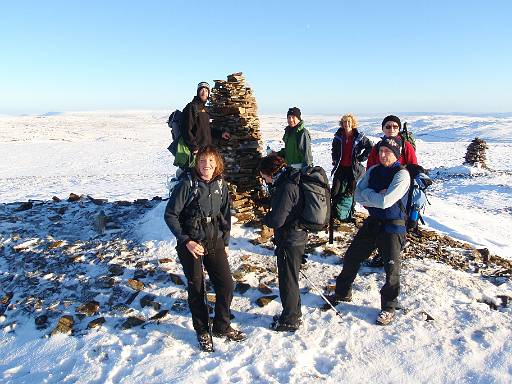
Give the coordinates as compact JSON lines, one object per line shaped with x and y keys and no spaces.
{"x":393,"y":143}
{"x":203,"y":84}
{"x":294,"y":111}
{"x":392,"y":118}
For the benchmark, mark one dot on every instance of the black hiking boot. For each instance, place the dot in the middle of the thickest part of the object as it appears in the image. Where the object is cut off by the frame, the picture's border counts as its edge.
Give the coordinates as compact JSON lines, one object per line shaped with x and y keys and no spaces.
{"x":231,"y":334}
{"x":335,"y":299}
{"x":205,"y":341}
{"x":279,"y":326}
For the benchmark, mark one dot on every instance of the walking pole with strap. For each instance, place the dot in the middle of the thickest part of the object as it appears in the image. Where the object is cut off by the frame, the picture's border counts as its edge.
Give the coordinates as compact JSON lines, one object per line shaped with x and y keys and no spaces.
{"x":321,"y":294}
{"x":206,"y":304}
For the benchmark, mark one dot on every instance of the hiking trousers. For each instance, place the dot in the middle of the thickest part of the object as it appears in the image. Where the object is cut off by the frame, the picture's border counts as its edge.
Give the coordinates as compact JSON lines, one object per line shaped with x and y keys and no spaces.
{"x":371,"y":236}
{"x":217,"y":266}
{"x":289,"y":260}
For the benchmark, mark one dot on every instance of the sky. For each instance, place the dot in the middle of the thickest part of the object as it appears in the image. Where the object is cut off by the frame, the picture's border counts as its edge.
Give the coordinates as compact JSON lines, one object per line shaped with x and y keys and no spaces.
{"x":322,"y":56}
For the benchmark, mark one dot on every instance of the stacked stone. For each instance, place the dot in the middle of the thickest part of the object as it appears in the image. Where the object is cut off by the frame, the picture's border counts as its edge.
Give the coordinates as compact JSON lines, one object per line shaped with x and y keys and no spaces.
{"x":233,"y":109}
{"x":475,"y":154}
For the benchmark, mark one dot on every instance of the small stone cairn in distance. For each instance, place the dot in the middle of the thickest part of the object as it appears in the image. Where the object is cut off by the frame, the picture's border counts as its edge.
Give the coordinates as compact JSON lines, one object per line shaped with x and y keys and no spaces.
{"x":475,"y":154}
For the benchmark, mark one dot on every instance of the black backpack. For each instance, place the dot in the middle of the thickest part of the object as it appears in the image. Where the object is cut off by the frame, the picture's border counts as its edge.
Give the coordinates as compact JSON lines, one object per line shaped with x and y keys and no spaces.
{"x":174,"y":122}
{"x":314,"y":185}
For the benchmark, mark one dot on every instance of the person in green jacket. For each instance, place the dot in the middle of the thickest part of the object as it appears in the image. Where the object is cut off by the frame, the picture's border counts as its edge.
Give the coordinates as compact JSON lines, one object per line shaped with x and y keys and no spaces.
{"x":297,"y":141}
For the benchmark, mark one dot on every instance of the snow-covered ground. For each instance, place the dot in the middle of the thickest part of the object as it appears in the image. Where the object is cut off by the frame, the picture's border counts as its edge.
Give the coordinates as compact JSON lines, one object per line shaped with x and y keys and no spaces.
{"x":122,"y":155}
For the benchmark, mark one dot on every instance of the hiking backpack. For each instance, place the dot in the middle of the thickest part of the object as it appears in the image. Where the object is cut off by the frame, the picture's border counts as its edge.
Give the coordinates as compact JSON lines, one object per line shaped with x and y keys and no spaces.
{"x":407,"y":136}
{"x":317,"y":199}
{"x":416,"y":197}
{"x":174,"y":122}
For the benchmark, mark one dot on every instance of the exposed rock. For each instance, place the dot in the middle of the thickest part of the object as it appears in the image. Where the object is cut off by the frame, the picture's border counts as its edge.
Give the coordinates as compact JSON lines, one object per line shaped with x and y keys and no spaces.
{"x":90,"y":308}
{"x":147,"y":300}
{"x":176,"y":279}
{"x":96,"y":323}
{"x":263,"y":288}
{"x":56,"y":199}
{"x":73,"y":197}
{"x":242,"y":287}
{"x":159,"y":315}
{"x":180,"y":306}
{"x":136,"y":284}
{"x":131,"y":322}
{"x":104,"y":282}
{"x":41,"y":321}
{"x":25,"y":206}
{"x":116,"y":269}
{"x":264,"y":300}
{"x":65,"y":325}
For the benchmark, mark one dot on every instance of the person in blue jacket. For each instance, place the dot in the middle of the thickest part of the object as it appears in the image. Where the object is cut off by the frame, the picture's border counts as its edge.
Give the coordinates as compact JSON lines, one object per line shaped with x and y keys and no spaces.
{"x":383,"y":191}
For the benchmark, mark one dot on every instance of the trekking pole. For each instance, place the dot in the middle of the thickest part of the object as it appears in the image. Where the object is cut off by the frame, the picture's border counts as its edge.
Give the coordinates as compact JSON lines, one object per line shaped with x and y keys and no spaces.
{"x":206,"y":304}
{"x":331,"y":226}
{"x":321,"y":294}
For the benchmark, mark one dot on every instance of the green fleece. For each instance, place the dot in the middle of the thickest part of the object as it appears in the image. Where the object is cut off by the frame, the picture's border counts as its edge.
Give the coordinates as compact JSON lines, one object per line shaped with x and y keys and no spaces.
{"x":297,"y":145}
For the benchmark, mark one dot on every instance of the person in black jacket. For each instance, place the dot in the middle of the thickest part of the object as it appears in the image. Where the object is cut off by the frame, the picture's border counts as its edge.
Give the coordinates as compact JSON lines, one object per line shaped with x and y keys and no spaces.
{"x":196,"y":121}
{"x":349,"y":149}
{"x":198,"y":215}
{"x":286,"y":204}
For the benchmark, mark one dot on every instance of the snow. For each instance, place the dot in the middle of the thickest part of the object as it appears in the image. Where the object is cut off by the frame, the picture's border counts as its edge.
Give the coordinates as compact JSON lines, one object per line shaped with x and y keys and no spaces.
{"x":121,"y":155}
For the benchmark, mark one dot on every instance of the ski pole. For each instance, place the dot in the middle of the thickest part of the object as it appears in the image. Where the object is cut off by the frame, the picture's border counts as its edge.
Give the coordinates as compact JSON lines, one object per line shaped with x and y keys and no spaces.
{"x":206,"y":304}
{"x":321,"y":294}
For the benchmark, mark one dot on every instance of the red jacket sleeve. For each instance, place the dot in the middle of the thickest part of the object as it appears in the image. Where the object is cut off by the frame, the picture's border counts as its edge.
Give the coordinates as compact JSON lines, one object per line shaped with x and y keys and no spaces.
{"x":373,"y":158}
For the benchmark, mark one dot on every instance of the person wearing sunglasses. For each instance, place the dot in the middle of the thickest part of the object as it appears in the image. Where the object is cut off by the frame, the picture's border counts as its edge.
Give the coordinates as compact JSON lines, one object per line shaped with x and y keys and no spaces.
{"x":391,"y":126}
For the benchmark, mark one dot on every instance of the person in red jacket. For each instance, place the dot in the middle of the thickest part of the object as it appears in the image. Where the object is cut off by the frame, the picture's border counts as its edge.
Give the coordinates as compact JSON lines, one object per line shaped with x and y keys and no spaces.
{"x":391,"y":126}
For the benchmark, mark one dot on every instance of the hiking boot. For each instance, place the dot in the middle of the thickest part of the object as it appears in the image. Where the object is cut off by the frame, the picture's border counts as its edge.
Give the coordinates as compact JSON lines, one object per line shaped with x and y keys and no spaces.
{"x":385,"y":317}
{"x":335,"y":299}
{"x":376,"y":262}
{"x":231,"y":334}
{"x":279,"y":326}
{"x":205,"y":341}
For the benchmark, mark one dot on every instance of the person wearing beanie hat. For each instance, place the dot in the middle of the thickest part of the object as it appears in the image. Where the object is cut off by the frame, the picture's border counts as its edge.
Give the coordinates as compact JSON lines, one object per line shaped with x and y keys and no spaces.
{"x":392,"y":143}
{"x":297,"y":141}
{"x":195,"y":127}
{"x":383,"y":191}
{"x":392,"y":118}
{"x":205,"y":85}
{"x":286,"y":205}
{"x":391,"y":126}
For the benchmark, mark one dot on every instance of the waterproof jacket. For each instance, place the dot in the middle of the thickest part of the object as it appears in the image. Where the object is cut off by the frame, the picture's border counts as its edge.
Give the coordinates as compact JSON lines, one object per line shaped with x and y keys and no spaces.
{"x":196,"y":129}
{"x":385,"y":207}
{"x":207,"y":213}
{"x":408,"y":155}
{"x":361,"y":148}
{"x":297,"y":146}
{"x":286,"y":205}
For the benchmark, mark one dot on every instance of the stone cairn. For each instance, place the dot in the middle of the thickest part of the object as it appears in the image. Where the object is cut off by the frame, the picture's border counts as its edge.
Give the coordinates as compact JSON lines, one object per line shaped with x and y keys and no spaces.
{"x":475,"y":154}
{"x":233,"y":109}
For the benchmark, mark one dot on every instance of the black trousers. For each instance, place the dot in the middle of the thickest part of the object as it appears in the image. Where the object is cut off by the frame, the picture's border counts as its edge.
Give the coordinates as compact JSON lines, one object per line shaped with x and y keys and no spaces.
{"x":368,"y":238}
{"x":289,"y":260}
{"x":217,"y":266}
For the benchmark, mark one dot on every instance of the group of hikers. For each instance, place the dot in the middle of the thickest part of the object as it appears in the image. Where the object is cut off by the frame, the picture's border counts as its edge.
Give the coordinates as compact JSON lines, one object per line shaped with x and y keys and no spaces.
{"x":198,"y":213}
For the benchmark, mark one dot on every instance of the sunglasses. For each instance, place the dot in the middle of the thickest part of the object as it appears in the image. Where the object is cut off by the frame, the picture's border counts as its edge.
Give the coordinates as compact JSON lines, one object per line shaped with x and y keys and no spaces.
{"x":391,"y":126}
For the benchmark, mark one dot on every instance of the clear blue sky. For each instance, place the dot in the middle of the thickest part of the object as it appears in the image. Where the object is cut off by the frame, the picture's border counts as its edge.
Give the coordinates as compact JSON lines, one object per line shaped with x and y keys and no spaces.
{"x":323,"y":56}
